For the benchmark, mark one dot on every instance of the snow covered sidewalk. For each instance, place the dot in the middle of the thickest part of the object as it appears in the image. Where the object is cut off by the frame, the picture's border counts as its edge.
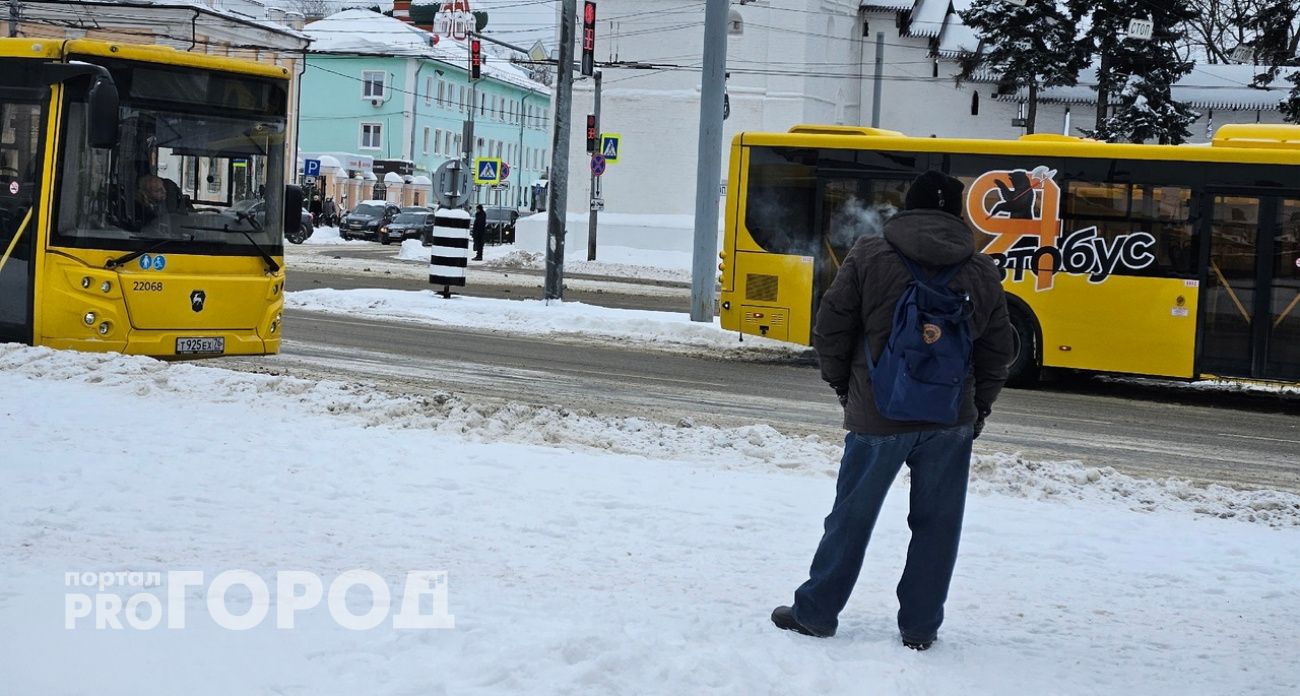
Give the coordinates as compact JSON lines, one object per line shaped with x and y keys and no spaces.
{"x":584,"y":555}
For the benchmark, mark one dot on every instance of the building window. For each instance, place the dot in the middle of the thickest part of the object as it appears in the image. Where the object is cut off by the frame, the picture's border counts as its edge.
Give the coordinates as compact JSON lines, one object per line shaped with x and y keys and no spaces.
{"x":373,"y":87}
{"x":426,"y":141}
{"x":482,"y":104}
{"x":448,"y":146}
{"x":735,"y":23}
{"x":428,"y":91}
{"x":462,"y":99}
{"x":372,"y":136}
{"x":442,"y":89}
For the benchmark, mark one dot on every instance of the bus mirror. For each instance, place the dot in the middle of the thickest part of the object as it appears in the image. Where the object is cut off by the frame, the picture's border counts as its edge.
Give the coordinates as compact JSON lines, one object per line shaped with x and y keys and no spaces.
{"x":292,"y":208}
{"x":103,"y":114}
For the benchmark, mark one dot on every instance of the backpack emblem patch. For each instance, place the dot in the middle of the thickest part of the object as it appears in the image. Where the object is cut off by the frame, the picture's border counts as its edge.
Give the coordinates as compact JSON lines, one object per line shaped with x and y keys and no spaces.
{"x":931,"y":333}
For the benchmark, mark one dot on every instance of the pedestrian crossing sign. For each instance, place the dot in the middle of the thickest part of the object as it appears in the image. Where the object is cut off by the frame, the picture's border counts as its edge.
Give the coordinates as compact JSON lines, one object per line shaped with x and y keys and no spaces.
{"x":487,"y":170}
{"x":610,"y":143}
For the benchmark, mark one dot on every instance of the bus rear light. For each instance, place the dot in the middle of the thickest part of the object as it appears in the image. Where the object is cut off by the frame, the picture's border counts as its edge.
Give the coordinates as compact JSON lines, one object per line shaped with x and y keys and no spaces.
{"x":104,"y":328}
{"x":727,"y":305}
{"x":89,"y":318}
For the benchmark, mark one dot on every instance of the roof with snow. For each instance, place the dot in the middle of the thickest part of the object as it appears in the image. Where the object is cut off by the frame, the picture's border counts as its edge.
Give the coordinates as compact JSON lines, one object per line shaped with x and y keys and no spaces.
{"x":1206,"y":87}
{"x":362,"y":32}
{"x":933,"y":19}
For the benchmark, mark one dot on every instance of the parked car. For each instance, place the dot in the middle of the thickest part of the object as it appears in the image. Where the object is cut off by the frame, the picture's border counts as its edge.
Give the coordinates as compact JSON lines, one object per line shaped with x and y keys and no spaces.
{"x":365,"y":220}
{"x":257,"y":208}
{"x":501,"y":225}
{"x":416,"y":209}
{"x":418,"y":225}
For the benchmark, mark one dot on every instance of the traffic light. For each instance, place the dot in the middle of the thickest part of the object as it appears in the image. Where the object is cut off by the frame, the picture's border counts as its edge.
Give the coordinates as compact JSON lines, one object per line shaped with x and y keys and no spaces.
{"x":591,"y":134}
{"x":475,"y":59}
{"x":589,"y":38}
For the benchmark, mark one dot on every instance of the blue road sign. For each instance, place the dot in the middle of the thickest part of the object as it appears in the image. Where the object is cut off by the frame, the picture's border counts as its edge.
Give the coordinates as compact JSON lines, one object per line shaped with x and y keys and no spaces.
{"x":311,"y":167}
{"x":598,"y":165}
{"x":487,"y":170}
{"x":610,"y":143}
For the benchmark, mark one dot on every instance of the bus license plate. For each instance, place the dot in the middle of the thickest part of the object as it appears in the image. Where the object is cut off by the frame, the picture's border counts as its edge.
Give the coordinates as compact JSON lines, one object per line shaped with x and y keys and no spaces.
{"x":204,"y":345}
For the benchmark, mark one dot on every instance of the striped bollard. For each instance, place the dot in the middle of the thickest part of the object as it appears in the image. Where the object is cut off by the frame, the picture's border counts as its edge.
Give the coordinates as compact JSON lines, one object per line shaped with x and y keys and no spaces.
{"x":450,"y":253}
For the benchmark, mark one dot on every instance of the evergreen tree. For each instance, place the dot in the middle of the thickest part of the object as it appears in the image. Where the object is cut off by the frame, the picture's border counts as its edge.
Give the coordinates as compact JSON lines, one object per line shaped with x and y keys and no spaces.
{"x":1032,"y":46}
{"x":1276,"y":25}
{"x":1138,"y":74}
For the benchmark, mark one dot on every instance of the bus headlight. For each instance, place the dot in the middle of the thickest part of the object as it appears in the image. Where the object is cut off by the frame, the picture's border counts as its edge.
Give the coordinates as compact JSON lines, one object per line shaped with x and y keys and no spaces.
{"x":726,"y":305}
{"x":106,"y":286}
{"x":104,"y":328}
{"x":89,"y":318}
{"x":85,"y":282}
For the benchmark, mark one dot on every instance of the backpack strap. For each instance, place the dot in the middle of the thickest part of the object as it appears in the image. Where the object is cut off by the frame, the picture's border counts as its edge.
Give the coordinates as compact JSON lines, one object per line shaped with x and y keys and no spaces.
{"x":933,"y":283}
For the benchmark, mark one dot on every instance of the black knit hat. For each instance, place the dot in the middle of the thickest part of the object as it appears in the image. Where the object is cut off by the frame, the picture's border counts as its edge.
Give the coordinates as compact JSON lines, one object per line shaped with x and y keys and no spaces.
{"x":935,"y":191}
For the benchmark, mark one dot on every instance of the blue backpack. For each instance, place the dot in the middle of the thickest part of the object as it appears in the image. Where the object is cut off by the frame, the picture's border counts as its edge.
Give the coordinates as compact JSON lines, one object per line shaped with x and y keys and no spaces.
{"x":922,"y":371}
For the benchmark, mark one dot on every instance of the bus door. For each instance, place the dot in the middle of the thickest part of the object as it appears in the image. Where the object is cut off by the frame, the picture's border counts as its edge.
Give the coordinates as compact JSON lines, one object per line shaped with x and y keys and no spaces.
{"x":1250,"y":308}
{"x":20,"y":175}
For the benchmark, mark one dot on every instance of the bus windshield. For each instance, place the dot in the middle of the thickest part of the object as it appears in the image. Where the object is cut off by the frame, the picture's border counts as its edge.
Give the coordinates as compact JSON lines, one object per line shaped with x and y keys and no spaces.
{"x":178,"y":173}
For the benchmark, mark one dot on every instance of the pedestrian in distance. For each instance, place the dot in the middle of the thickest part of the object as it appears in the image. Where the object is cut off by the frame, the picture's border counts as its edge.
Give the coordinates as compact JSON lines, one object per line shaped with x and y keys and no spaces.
{"x":479,"y":231}
{"x":918,"y":290}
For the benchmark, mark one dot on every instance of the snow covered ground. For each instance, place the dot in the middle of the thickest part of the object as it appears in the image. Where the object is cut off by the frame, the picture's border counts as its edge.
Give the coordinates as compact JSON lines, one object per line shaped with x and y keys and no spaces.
{"x":575,"y":320}
{"x":587,"y":555}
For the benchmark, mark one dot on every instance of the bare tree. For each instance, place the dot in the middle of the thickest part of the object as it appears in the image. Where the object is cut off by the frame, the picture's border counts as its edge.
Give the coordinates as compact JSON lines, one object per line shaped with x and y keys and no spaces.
{"x":312,"y":9}
{"x":1218,"y":27}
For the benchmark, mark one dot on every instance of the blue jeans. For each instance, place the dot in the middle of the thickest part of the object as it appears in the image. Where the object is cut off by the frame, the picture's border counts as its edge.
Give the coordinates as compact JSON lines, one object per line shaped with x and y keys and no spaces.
{"x":940,"y":464}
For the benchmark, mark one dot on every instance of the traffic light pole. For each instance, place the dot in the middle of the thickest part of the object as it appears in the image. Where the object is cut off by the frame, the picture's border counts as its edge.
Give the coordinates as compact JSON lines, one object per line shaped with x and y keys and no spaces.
{"x":595,"y":180}
{"x":709,"y":173}
{"x":557,"y":195}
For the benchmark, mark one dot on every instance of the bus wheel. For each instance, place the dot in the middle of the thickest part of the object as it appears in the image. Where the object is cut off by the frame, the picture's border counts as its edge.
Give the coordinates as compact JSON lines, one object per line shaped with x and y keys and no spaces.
{"x":1027,"y":363}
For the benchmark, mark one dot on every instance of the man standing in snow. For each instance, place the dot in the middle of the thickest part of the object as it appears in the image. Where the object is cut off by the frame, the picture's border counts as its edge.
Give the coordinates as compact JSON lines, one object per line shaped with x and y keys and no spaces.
{"x":860,"y":305}
{"x":479,"y":232}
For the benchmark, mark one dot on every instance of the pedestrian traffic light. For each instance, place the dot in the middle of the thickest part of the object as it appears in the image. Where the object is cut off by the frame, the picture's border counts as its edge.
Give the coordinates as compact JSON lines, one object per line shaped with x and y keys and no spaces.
{"x":475,"y":59}
{"x":589,"y":38}
{"x":591,"y":134}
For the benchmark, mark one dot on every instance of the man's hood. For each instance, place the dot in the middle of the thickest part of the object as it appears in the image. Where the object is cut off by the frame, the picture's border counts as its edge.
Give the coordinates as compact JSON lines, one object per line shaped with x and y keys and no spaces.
{"x":931,"y":237}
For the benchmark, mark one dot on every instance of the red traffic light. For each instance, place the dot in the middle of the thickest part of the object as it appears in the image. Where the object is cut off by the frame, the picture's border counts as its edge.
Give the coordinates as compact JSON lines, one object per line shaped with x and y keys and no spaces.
{"x":589,"y":13}
{"x":476,"y":58}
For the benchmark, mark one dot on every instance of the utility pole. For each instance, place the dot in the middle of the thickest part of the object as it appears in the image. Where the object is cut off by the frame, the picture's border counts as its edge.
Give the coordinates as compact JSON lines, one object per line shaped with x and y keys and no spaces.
{"x":595,"y":180}
{"x":876,"y":88}
{"x":708,"y":177}
{"x":13,"y":18}
{"x":558,"y":194}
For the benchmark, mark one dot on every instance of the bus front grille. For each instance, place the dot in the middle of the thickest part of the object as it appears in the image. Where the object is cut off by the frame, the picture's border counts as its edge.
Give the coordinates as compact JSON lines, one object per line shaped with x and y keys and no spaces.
{"x":760,"y":288}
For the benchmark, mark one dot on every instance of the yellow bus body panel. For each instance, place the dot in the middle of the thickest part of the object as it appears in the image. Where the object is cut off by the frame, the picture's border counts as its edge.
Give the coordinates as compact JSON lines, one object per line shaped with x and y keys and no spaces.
{"x":148,"y":310}
{"x":773,"y":297}
{"x":1126,"y":324}
{"x":166,"y":55}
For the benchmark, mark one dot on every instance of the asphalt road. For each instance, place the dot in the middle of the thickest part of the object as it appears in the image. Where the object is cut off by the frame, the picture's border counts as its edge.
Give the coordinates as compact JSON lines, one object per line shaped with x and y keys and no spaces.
{"x":1235,"y":440}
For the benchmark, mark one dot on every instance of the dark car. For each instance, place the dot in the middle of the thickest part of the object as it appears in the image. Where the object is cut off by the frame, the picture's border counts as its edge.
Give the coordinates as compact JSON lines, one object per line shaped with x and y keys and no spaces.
{"x":257,"y":208}
{"x":501,"y":225}
{"x":409,"y":226}
{"x":416,"y":209}
{"x":365,"y":220}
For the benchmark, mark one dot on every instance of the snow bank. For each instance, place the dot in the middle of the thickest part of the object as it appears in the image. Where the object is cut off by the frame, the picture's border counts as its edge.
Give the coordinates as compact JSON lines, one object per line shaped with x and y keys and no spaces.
{"x":755,"y":448}
{"x":330,"y":235}
{"x":662,"y":330}
{"x":654,"y":233}
{"x":414,"y":250}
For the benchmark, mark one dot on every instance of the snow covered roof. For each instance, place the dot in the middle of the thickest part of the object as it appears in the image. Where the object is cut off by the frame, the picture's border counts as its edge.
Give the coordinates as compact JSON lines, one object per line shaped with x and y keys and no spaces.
{"x":933,"y":19}
{"x":929,"y":17}
{"x":1206,"y":87}
{"x":262,"y":13}
{"x":363,"y":32}
{"x":393,"y":178}
{"x":422,"y":180}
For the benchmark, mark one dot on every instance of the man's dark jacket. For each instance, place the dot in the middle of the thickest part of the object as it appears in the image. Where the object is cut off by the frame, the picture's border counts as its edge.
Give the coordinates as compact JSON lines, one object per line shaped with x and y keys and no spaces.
{"x":480,"y":225}
{"x":864,"y":294}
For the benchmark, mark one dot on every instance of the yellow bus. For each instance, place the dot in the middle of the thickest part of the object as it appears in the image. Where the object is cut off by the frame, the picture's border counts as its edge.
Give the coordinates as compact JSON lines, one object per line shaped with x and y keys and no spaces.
{"x":142,"y":199}
{"x":1171,"y":261}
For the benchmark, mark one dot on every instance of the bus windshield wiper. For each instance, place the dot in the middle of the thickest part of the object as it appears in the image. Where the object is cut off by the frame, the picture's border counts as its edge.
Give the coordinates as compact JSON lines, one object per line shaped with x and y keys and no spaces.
{"x":128,"y":258}
{"x":271,"y":265}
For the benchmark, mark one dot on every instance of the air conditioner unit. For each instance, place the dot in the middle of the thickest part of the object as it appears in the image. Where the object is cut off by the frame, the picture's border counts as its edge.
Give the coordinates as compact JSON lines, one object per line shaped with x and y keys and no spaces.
{"x":376,"y":103}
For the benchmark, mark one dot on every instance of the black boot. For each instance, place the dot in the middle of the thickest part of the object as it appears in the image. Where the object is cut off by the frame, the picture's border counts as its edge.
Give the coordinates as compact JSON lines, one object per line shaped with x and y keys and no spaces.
{"x":918,"y":645}
{"x":783,"y":617}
